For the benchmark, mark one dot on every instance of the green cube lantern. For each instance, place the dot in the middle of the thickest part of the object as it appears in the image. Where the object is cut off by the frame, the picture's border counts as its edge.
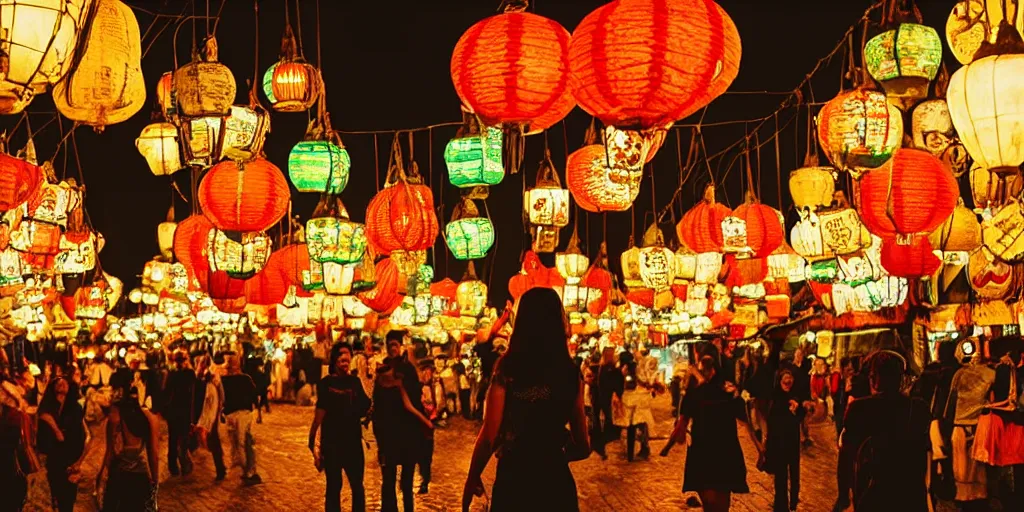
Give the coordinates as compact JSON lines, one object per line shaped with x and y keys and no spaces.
{"x":475,"y":160}
{"x":335,"y":240}
{"x":319,"y":166}
{"x":904,"y":60}
{"x":469,"y":236}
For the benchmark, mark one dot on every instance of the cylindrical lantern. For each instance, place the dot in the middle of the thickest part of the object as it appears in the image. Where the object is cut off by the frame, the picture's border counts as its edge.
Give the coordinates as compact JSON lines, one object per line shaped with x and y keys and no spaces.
{"x":701,"y":227}
{"x":512,"y":68}
{"x":986,"y":102}
{"x":291,"y":84}
{"x":205,"y":87}
{"x":158,"y":143}
{"x":338,"y":278}
{"x":468,"y":236}
{"x":599,"y":184}
{"x":572,"y":264}
{"x":473,"y":157}
{"x":401,"y":217}
{"x":644,"y":63}
{"x":656,"y":263}
{"x":319,"y":166}
{"x":546,"y":206}
{"x":904,"y":60}
{"x":811,"y":187}
{"x":859,"y":130}
{"x":913,"y":193}
{"x":250,"y":196}
{"x":241,"y":255}
{"x":19,"y":180}
{"x":332,"y":237}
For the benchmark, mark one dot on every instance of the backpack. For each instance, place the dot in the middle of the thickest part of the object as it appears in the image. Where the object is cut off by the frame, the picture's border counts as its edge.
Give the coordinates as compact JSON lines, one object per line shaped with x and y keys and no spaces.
{"x":879,"y":468}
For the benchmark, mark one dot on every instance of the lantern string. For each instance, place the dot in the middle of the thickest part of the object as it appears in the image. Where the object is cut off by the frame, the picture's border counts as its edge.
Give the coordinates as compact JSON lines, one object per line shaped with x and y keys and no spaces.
{"x":216,"y":20}
{"x":376,"y":161}
{"x":778,"y":163}
{"x":298,"y":26}
{"x":319,"y":60}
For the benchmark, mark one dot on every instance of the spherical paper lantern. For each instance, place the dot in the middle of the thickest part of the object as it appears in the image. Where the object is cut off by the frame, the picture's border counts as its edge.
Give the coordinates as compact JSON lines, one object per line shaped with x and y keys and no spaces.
{"x":961,"y":232}
{"x":904,"y":60}
{"x":597,"y":186}
{"x":249,"y":196}
{"x":335,"y":238}
{"x":811,"y":187}
{"x":158,"y":143}
{"x":291,"y":84}
{"x":701,"y":227}
{"x":764,"y":231}
{"x":970,"y":24}
{"x":401,"y":217}
{"x":474,"y":159}
{"x":468,"y":235}
{"x":319,"y":166}
{"x":859,"y":130}
{"x":512,"y":68}
{"x":241,"y":255}
{"x":912,"y":260}
{"x":644,"y":63}
{"x":190,"y":244}
{"x":986,"y":102}
{"x":913,"y":193}
{"x":19,"y":180}
{"x":205,"y":87}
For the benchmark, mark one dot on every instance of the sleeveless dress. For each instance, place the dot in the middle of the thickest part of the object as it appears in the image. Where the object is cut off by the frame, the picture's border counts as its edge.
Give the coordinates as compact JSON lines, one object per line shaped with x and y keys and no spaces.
{"x":128,"y":487}
{"x":533,"y":470}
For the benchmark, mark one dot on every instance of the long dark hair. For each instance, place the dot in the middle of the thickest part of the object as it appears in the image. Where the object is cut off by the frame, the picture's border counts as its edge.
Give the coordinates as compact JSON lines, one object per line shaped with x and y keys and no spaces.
{"x":49,"y":404}
{"x":538,"y":350}
{"x":132,"y":416}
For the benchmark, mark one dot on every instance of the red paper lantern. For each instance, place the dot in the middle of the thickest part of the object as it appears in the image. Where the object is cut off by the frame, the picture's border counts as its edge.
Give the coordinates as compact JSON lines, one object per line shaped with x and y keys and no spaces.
{"x":270,"y":286}
{"x":447,"y":290}
{"x":190,"y":244}
{"x":912,"y":193}
{"x":19,"y":180}
{"x":644,"y":63}
{"x":598,"y":187}
{"x":513,"y":68}
{"x":599,"y":279}
{"x":249,"y":196}
{"x":384,"y":297}
{"x":401,"y":218}
{"x":533,"y":275}
{"x":235,"y":305}
{"x":912,"y":260}
{"x":219,"y":285}
{"x":745,"y":271}
{"x":701,"y":227}
{"x":764,"y":230}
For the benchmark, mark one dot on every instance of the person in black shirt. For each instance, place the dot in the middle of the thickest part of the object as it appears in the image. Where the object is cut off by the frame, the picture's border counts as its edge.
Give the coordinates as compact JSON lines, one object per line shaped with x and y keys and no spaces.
{"x":609,"y":382}
{"x":62,"y":436}
{"x":180,"y":391}
{"x":239,"y":399}
{"x":340,"y":406}
{"x":399,"y":362}
{"x":487,"y":355}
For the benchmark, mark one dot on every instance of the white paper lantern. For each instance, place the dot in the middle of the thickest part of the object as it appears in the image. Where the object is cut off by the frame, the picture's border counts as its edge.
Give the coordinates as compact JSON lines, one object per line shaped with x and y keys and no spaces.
{"x":986,"y":103}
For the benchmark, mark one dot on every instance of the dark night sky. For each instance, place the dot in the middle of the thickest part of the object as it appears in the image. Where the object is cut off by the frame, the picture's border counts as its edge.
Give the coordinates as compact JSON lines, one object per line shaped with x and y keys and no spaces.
{"x":386,"y":67}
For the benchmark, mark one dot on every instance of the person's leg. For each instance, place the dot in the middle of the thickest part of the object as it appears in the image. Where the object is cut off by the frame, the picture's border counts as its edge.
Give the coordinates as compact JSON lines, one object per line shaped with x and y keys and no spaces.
{"x":332,"y":472}
{"x":354,"y":468}
{"x":481,"y":397}
{"x":408,"y":499}
{"x":172,"y":446}
{"x":216,"y":450}
{"x":596,"y":434}
{"x":609,"y":431}
{"x":250,"y":451}
{"x":715,"y":501}
{"x":630,"y":442}
{"x":464,"y":404}
{"x":645,"y":446}
{"x":781,"y":502}
{"x":388,"y":481}
{"x":426,"y":460}
{"x":794,"y":482}
{"x":184,"y":456}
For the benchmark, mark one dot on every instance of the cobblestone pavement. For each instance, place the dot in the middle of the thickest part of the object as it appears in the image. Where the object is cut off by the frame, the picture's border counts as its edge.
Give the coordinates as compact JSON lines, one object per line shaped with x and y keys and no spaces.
{"x":291,"y":483}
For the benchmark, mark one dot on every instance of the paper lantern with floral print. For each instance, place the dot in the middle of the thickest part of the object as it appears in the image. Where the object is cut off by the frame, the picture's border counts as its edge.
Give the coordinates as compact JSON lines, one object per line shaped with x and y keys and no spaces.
{"x":546,"y":206}
{"x":512,"y":67}
{"x":471,"y":294}
{"x":597,"y":186}
{"x":859,"y":130}
{"x":384,"y":297}
{"x":401,"y":217}
{"x":961,"y":232}
{"x":319,"y":166}
{"x":241,"y":255}
{"x":238,"y":136}
{"x":643,"y":63}
{"x":106,"y":86}
{"x":205,"y":87}
{"x":250,"y":196}
{"x":572,"y":263}
{"x":19,"y":180}
{"x":701,"y":227}
{"x":811,"y":187}
{"x":986,"y":103}
{"x":469,"y":236}
{"x":291,"y":84}
{"x":762,"y":225}
{"x":912,"y":194}
{"x":158,"y":143}
{"x":904,"y":60}
{"x":473,"y":157}
{"x":335,"y":238}
{"x":912,"y":260}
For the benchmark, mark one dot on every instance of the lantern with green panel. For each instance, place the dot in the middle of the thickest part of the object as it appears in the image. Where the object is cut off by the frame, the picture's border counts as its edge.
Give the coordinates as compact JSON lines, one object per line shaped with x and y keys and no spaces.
{"x":474,"y":159}
{"x":904,"y":60}
{"x":469,"y":236}
{"x":319,"y":166}
{"x":332,"y":237}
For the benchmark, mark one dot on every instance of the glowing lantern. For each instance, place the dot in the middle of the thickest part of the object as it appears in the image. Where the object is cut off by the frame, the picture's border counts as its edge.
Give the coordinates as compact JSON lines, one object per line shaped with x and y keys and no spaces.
{"x":384,"y":297}
{"x":932,"y":127}
{"x":986,"y":102}
{"x":444,"y":298}
{"x":970,"y":25}
{"x":471,"y":294}
{"x":762,"y":227}
{"x":77,"y":247}
{"x":785,"y":263}
{"x":599,"y":184}
{"x":961,"y":232}
{"x":701,"y":227}
{"x":859,"y":130}
{"x":268,"y":287}
{"x":512,"y":67}
{"x":913,"y":193}
{"x":239,"y":136}
{"x":469,"y":236}
{"x":220,"y":286}
{"x":990,"y":277}
{"x":319,"y":166}
{"x":165,"y":234}
{"x":338,"y":279}
{"x":19,"y":180}
{"x":190,"y":245}
{"x":912,"y":260}
{"x":39,"y":38}
{"x":158,"y":143}
{"x":291,"y":84}
{"x":331,"y":236}
{"x":90,"y":304}
{"x":205,"y":87}
{"x":572,"y":264}
{"x":904,"y":60}
{"x":241,"y":255}
{"x":644,"y":63}
{"x":245,"y":197}
{"x":165,"y":95}
{"x":992,"y":189}
{"x":811,"y":186}
{"x":106,"y":85}
{"x":473,"y":157}
{"x":547,"y":207}
{"x":656,"y":263}
{"x":1003,"y":233}
{"x":827,"y":234}
{"x":401,"y":217}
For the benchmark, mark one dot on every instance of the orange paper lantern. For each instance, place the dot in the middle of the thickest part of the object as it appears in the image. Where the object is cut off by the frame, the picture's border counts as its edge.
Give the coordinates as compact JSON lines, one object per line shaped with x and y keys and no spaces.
{"x":764,"y":230}
{"x":701,"y":227}
{"x":597,"y":186}
{"x":190,"y":244}
{"x":219,"y":285}
{"x":644,"y":63}
{"x":401,"y":218}
{"x":384,"y":297}
{"x":912,"y":193}
{"x":249,"y":196}
{"x":19,"y":180}
{"x":912,"y":260}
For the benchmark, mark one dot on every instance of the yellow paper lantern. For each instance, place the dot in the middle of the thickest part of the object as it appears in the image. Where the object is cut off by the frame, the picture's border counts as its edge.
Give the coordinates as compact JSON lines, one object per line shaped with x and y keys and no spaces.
{"x":165,"y":234}
{"x":961,"y":232}
{"x":811,"y":186}
{"x":158,"y":143}
{"x":572,"y":264}
{"x":471,"y":294}
{"x":205,"y":87}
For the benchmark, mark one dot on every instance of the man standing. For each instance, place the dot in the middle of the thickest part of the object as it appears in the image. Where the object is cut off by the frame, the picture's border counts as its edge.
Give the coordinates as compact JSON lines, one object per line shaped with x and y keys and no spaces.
{"x":399,"y":362}
{"x":609,"y":381}
{"x":430,"y":410}
{"x":239,"y":399}
{"x":340,"y":406}
{"x":181,"y":385}
{"x":210,"y":394}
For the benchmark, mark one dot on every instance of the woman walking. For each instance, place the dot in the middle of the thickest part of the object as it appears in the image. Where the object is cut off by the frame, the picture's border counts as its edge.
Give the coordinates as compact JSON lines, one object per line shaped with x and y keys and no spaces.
{"x":782,"y":446}
{"x":62,"y":437}
{"x":398,"y":427}
{"x":535,"y":392}
{"x":131,"y":458}
{"x":633,"y":413}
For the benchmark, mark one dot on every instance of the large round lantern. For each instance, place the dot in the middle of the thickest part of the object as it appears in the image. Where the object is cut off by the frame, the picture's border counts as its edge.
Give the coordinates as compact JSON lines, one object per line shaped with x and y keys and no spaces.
{"x":763,"y":228}
{"x":158,"y":143}
{"x":249,"y":196}
{"x":912,"y":260}
{"x":512,"y":68}
{"x":601,"y":185}
{"x":291,"y":84}
{"x":19,"y":180}
{"x":970,"y":24}
{"x":644,"y":63}
{"x":469,"y":236}
{"x":205,"y":87}
{"x":913,"y":193}
{"x":811,"y":187}
{"x":319,"y":166}
{"x":190,"y":245}
{"x":701,"y":227}
{"x":859,"y":130}
{"x":473,"y":157}
{"x":546,"y":206}
{"x":904,"y":60}
{"x":332,"y":237}
{"x":106,"y":86}
{"x":401,"y":216}
{"x":241,"y":255}
{"x":986,"y":103}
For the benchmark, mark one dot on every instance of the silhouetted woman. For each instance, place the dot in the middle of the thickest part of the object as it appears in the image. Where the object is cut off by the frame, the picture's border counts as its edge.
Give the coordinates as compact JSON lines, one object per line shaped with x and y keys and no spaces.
{"x":131,"y":457}
{"x":62,"y":437}
{"x":782,"y":446}
{"x":535,"y":392}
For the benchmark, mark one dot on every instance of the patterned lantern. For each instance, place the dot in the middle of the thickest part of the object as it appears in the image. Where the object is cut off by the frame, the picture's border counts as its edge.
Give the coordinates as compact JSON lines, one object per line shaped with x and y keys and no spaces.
{"x":785,"y":263}
{"x":338,"y":278}
{"x":512,"y":68}
{"x":469,"y":236}
{"x":572,"y":263}
{"x":165,"y":235}
{"x":701,"y":227}
{"x":992,"y":189}
{"x":241,"y":255}
{"x":319,"y":166}
{"x":19,"y":180}
{"x":599,"y":184}
{"x":473,"y":157}
{"x":205,"y":87}
{"x":331,"y":236}
{"x":811,"y":187}
{"x":912,"y":260}
{"x":245,"y":197}
{"x":643,"y":63}
{"x":859,"y":130}
{"x":291,"y":84}
{"x":656,"y":263}
{"x":763,"y":228}
{"x":158,"y":143}
{"x":384,"y":297}
{"x":904,"y":60}
{"x":932,"y":127}
{"x":547,"y":207}
{"x":401,"y":216}
{"x":1003,"y":233}
{"x":913,"y":193}
{"x":238,"y":136}
{"x":827,"y":234}
{"x":471,"y":294}
{"x":106,"y":86}
{"x":77,"y":247}
{"x":90,"y":304}
{"x":970,"y":24}
{"x":991,"y":278}
{"x":444,"y":298}
{"x":961,"y":232}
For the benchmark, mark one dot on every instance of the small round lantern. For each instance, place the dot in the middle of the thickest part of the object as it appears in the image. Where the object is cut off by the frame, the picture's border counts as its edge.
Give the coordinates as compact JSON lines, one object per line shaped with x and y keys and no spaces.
{"x":205,"y":87}
{"x":859,"y":130}
{"x":913,"y":193}
{"x":401,"y":216}
{"x":546,"y":206}
{"x":241,"y":255}
{"x":469,"y":236}
{"x":473,"y":157}
{"x":245,"y":197}
{"x":904,"y":60}
{"x":291,"y":84}
{"x":764,"y":230}
{"x":597,"y":186}
{"x":319,"y":166}
{"x":332,"y":237}
{"x":701,"y":227}
{"x":811,"y":186}
{"x":158,"y":143}
{"x":961,"y":232}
